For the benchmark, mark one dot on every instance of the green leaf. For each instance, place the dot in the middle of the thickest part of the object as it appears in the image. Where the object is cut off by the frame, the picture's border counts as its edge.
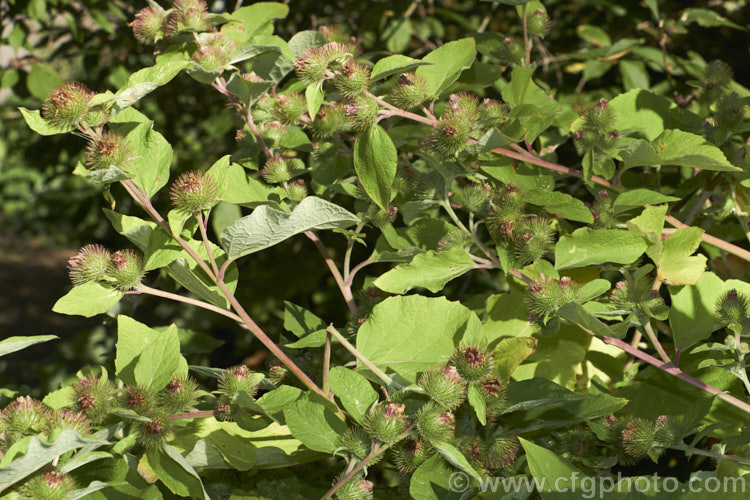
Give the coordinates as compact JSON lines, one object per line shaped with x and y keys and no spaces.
{"x":146,"y":80}
{"x":649,"y":225}
{"x":315,"y":424}
{"x":267,"y":226}
{"x":304,"y":40}
{"x":246,"y":91}
{"x":137,"y":230}
{"x":153,"y":154}
{"x":594,"y":288}
{"x":585,"y":247}
{"x":432,"y":481}
{"x":651,"y":114}
{"x":561,"y":204}
{"x":88,"y":300}
{"x":13,"y":344}
{"x":314,"y":97}
{"x":639,"y":197}
{"x":239,"y":454}
{"x":300,"y":321}
{"x":691,"y":314}
{"x":136,"y":340}
{"x":255,"y":16}
{"x":375,"y":163}
{"x":507,"y":316}
{"x":707,"y":18}
{"x":676,"y":264}
{"x":552,"y":472}
{"x":396,"y":63}
{"x":159,"y":360}
{"x":429,"y":270}
{"x":42,"y":80}
{"x":175,"y":472}
{"x":409,"y":334}
{"x":354,"y":391}
{"x":476,"y":400}
{"x":448,"y":61}
{"x":684,"y":149}
{"x":576,"y":314}
{"x":509,"y":354}
{"x":39,"y":453}
{"x":456,"y":459}
{"x":39,"y":125}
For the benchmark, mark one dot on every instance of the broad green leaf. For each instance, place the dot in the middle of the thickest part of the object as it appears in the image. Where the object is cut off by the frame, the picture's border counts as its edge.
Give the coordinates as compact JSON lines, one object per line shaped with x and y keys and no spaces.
{"x":300,"y":321}
{"x":240,"y":454}
{"x":247,"y":91}
{"x":639,"y":197}
{"x":432,"y":481}
{"x":553,"y":473}
{"x":39,"y":125}
{"x":42,"y":80}
{"x":135,"y":339}
{"x":236,"y":187}
{"x":137,"y":230}
{"x":396,"y":63}
{"x":684,"y":149}
{"x":507,"y":316}
{"x":375,"y":163}
{"x":354,"y":391}
{"x":93,"y":486}
{"x":304,"y":40}
{"x":559,"y":203}
{"x":255,"y":16}
{"x":651,"y":114}
{"x":315,"y":424}
{"x":649,"y":225}
{"x":585,"y":247}
{"x":576,"y":314}
{"x":159,"y":360}
{"x":677,"y":264}
{"x":153,"y":154}
{"x":39,"y":453}
{"x":634,"y":74}
{"x":476,"y":400}
{"x":509,"y":353}
{"x":267,"y":226}
{"x":429,"y":270}
{"x":594,"y":288}
{"x":146,"y":80}
{"x":175,"y":472}
{"x":691,"y":315}
{"x":707,"y":18}
{"x":410,"y":334}
{"x":314,"y":97}
{"x":13,"y":344}
{"x":456,"y":459}
{"x":88,"y":300}
{"x":448,"y":61}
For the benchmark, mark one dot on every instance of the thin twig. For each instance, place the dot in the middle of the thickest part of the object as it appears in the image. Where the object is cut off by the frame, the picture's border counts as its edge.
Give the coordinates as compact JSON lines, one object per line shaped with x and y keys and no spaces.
{"x":361,"y":357}
{"x":649,"y":330}
{"x":193,"y":414}
{"x":141,"y":288}
{"x":395,"y":111}
{"x":673,"y":370}
{"x":345,"y":289}
{"x":526,"y":40}
{"x":207,"y":242}
{"x":326,"y":363}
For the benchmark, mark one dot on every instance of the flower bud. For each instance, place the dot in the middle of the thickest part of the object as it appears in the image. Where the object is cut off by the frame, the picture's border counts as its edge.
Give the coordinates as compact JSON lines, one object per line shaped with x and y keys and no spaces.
{"x":638,"y":438}
{"x":272,"y":133}
{"x":329,"y":120}
{"x":465,"y":103}
{"x":238,"y":379}
{"x":126,"y":269}
{"x":223,"y":409}
{"x":716,"y":76}
{"x":409,"y":454}
{"x":356,"y":488}
{"x":109,"y":150}
{"x":495,"y":394}
{"x":355,"y":442}
{"x":276,"y":170}
{"x":290,"y":107}
{"x":194,"y":192}
{"x":276,"y":374}
{"x":337,"y":54}
{"x":473,"y":362}
{"x":67,"y":106}
{"x":352,"y":79}
{"x":139,"y":399}
{"x":511,"y":51}
{"x":435,"y":424}
{"x":149,"y":25}
{"x":61,"y":420}
{"x":444,"y":385}
{"x":180,"y":394}
{"x":730,"y":110}
{"x":536,"y":239}
{"x":732,"y":309}
{"x":94,"y":397}
{"x":492,"y":112}
{"x":381,"y":218}
{"x":157,"y":432}
{"x":545,"y":296}
{"x":296,"y":191}
{"x":91,"y":263}
{"x":385,"y":422}
{"x":473,"y":198}
{"x":501,"y":450}
{"x":537,"y":23}
{"x":450,"y":135}
{"x":22,"y":416}
{"x":455,"y":238}
{"x":410,"y":91}
{"x":188,"y":15}
{"x":362,"y":113}
{"x":215,"y":51}
{"x":311,"y":66}
{"x":47,"y":486}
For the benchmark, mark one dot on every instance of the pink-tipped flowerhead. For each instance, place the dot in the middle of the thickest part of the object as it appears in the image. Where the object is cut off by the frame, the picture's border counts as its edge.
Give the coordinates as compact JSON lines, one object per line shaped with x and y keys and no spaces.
{"x":91,"y":263}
